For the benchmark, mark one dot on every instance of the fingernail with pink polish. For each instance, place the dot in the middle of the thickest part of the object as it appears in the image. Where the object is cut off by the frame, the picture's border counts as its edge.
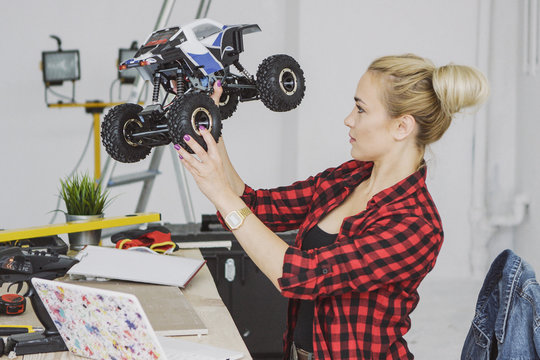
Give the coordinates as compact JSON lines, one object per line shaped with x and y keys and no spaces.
{"x":202,"y":128}
{"x":219,"y":83}
{"x":187,"y":137}
{"x":180,"y":156}
{"x":177,"y":147}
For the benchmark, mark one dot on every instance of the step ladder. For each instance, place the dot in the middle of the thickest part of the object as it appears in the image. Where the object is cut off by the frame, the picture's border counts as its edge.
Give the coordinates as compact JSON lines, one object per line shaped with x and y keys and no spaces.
{"x":148,"y":176}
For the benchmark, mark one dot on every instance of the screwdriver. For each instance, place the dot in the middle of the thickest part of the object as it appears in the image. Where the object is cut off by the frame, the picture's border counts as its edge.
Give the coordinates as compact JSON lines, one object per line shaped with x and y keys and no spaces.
{"x":6,"y":330}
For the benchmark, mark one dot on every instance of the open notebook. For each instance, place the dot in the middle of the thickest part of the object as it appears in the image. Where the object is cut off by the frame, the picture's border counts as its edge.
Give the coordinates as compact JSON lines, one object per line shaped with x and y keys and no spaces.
{"x":103,"y":262}
{"x":103,"y":324}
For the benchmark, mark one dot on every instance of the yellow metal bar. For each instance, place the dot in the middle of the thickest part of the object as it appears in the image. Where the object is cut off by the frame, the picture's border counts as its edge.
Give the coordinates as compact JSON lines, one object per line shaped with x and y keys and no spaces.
{"x":88,"y":105}
{"x":85,"y":105}
{"x":97,"y":148}
{"x":77,"y":226}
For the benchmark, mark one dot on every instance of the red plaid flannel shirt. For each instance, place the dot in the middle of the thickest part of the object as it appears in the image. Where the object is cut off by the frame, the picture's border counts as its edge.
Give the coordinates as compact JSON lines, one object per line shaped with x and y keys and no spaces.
{"x":365,"y":284}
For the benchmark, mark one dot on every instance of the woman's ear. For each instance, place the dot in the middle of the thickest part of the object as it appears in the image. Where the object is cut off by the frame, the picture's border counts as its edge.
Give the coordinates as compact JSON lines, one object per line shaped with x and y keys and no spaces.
{"x":405,"y":125}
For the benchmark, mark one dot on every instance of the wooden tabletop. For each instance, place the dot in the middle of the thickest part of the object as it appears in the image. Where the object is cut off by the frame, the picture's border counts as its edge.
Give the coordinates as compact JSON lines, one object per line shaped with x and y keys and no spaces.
{"x":203,"y":296}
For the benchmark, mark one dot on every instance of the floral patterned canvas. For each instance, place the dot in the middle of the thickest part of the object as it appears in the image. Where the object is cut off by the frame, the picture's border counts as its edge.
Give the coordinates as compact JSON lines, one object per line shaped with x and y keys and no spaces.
{"x":99,"y":324}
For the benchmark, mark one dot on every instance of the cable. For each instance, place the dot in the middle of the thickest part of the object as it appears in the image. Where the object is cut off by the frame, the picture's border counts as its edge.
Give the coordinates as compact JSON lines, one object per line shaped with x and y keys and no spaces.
{"x":73,"y":92}
{"x":46,"y":100}
{"x":111,"y":89}
{"x":58,"y":94}
{"x":145,"y":88}
{"x":75,"y":169}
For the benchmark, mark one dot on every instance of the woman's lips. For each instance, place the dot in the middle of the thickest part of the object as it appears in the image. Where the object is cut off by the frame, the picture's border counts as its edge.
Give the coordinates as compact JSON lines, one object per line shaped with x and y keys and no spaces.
{"x":351,"y":139}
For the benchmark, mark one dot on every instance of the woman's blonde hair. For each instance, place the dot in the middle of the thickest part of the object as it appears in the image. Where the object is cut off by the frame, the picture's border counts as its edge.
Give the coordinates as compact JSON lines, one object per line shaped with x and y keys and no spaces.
{"x":413,"y":85}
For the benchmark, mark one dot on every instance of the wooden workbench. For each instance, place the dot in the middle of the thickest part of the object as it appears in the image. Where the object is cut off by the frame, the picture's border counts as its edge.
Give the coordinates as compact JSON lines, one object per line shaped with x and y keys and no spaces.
{"x":203,"y":296}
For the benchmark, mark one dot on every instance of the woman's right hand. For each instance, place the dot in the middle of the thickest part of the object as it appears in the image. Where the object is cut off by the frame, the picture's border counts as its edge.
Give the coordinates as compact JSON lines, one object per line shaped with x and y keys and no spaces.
{"x":234,"y":179}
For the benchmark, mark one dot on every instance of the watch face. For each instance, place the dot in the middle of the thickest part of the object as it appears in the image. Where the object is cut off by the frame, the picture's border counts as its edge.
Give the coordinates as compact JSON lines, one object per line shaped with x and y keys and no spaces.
{"x":234,"y":220}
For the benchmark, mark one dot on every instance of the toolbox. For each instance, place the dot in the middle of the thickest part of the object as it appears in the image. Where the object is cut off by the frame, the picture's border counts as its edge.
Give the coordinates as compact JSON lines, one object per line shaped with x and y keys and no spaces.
{"x":52,"y":244}
{"x":256,"y":306}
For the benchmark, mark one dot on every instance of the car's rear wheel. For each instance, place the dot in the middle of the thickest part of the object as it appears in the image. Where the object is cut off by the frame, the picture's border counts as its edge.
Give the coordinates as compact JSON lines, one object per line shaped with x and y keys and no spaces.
{"x":280,"y":82}
{"x":190,"y":112}
{"x":116,"y":133}
{"x":228,"y":103}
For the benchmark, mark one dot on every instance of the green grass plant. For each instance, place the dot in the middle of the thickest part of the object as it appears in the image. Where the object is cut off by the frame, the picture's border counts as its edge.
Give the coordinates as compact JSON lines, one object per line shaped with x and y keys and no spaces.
{"x":83,"y":195}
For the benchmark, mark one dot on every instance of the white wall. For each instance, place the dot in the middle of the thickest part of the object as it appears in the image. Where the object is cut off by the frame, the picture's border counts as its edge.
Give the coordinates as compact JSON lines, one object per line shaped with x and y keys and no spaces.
{"x":503,"y":124}
{"x":512,"y":125}
{"x":334,"y":43}
{"x":528,"y":147}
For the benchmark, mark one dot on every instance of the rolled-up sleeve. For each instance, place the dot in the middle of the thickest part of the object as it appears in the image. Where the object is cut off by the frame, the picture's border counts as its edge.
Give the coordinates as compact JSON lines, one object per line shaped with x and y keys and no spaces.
{"x":283,"y":208}
{"x":394,"y":249}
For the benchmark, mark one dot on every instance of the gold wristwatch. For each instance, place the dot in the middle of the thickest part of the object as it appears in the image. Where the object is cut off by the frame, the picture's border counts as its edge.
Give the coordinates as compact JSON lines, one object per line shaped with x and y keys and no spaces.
{"x":235,"y":218}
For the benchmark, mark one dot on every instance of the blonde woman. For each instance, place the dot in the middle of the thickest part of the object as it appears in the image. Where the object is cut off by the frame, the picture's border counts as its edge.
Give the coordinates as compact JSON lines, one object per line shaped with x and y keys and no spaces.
{"x":368,"y":230}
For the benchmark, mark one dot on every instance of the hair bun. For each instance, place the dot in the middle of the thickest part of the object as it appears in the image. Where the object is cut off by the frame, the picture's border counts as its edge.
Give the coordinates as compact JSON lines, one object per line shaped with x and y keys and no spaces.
{"x":413,"y":85}
{"x":459,"y":86}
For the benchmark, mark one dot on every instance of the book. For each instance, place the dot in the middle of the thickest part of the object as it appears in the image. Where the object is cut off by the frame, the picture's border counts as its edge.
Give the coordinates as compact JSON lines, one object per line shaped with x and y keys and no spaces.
{"x":144,"y":267}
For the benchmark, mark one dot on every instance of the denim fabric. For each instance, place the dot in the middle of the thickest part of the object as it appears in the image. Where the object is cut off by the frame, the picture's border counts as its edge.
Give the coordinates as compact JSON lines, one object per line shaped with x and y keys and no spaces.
{"x":507,"y":318}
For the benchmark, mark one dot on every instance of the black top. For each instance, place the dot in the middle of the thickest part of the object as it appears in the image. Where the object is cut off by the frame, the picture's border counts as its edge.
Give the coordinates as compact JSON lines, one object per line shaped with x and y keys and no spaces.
{"x":303,"y":332}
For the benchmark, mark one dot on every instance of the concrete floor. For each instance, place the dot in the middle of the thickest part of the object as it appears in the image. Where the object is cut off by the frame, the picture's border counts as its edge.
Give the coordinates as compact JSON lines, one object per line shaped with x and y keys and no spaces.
{"x":442,"y":318}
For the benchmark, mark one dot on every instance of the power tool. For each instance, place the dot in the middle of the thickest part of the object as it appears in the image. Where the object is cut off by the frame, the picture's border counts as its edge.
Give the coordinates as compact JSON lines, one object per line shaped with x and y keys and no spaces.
{"x":17,"y":267}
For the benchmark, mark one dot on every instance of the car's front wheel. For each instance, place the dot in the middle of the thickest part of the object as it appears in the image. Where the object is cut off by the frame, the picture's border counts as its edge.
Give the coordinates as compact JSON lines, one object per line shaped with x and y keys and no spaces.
{"x":190,"y":112}
{"x":116,"y":133}
{"x":280,"y":82}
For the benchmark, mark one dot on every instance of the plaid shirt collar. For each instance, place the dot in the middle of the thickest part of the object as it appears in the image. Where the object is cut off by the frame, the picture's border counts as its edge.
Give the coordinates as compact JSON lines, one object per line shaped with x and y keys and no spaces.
{"x":403,"y":188}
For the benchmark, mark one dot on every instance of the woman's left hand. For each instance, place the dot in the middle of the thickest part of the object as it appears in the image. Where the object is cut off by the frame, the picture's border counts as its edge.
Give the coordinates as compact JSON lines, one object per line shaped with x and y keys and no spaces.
{"x":207,"y":170}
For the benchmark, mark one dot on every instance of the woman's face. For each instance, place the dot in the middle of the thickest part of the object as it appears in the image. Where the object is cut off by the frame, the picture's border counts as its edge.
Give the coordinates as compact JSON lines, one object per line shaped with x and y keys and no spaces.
{"x":369,"y":123}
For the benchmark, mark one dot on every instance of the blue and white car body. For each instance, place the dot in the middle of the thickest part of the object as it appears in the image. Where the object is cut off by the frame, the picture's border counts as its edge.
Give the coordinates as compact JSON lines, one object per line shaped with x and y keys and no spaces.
{"x":204,"y":46}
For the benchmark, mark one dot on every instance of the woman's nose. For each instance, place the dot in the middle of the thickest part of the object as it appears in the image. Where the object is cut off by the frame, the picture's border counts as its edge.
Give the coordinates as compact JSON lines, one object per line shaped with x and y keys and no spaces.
{"x":347,"y":120}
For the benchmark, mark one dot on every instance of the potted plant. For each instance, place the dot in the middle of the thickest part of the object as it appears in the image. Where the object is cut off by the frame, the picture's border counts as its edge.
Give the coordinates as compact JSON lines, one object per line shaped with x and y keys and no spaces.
{"x":84,"y":200}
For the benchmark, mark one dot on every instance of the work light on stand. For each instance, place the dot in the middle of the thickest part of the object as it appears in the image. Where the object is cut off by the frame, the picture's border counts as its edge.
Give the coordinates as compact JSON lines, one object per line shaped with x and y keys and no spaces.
{"x":59,"y":66}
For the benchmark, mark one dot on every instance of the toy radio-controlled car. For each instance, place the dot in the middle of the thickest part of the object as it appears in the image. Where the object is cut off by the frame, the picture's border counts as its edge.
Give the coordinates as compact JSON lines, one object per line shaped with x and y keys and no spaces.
{"x":185,"y":62}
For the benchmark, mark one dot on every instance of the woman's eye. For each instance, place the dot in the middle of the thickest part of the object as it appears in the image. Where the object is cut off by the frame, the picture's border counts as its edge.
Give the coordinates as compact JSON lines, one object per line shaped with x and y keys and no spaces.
{"x":360,"y":110}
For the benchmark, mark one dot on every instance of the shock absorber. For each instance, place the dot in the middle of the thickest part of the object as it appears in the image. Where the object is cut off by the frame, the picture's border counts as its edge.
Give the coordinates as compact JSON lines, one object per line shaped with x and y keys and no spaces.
{"x":155,"y":94}
{"x":242,"y":69}
{"x":180,"y":85}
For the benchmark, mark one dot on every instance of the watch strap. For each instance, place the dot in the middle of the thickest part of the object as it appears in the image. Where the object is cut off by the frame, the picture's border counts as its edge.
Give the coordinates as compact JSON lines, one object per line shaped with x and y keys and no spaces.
{"x":244,"y":212}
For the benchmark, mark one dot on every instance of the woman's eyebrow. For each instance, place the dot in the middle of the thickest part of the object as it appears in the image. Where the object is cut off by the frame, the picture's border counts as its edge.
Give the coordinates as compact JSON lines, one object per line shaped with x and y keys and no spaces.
{"x":358,"y":100}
